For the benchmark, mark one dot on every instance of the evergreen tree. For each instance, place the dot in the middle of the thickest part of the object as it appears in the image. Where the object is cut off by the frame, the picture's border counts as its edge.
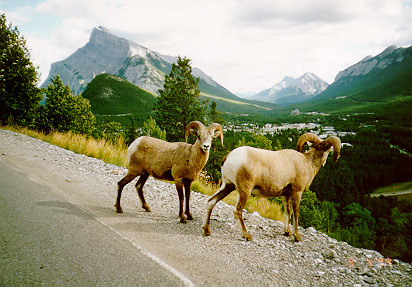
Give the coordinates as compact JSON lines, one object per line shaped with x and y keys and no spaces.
{"x":179,"y":101}
{"x":19,"y":95}
{"x":131,"y":133}
{"x":214,"y":115}
{"x":66,"y":112}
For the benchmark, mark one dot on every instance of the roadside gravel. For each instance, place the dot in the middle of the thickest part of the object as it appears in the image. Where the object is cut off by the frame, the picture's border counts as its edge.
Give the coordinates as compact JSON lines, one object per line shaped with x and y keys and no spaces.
{"x":223,"y":259}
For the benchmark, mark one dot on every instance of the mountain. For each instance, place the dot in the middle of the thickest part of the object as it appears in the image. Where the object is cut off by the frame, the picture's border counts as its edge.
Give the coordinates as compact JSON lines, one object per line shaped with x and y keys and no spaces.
{"x":378,"y":84}
{"x":110,"y":54}
{"x":115,"y":99}
{"x":291,"y":90}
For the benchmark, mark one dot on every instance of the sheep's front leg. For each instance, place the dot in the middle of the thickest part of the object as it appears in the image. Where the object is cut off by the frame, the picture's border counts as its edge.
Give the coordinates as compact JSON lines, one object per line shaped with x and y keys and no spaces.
{"x":241,"y":202}
{"x":179,"y":187}
{"x":120,"y":185}
{"x":187,"y":185}
{"x":296,"y":196}
{"x":286,"y":205}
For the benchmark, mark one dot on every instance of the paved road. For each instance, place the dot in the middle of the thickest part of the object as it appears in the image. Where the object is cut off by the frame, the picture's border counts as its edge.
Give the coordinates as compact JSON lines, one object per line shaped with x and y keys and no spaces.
{"x":44,"y":239}
{"x":391,"y":193}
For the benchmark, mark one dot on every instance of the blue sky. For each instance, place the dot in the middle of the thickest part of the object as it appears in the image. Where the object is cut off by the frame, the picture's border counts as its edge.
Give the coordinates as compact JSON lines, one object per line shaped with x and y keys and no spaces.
{"x":245,"y":45}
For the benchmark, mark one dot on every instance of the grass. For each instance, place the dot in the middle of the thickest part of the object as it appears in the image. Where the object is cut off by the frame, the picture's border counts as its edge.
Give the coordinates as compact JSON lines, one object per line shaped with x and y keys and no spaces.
{"x":116,"y":154}
{"x":265,"y":207}
{"x":100,"y":149}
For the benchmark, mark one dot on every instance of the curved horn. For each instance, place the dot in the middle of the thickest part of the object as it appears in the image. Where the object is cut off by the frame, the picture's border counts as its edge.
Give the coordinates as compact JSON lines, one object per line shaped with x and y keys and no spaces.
{"x":335,"y":142}
{"x":195,"y":125}
{"x":306,"y":137}
{"x":216,"y":130}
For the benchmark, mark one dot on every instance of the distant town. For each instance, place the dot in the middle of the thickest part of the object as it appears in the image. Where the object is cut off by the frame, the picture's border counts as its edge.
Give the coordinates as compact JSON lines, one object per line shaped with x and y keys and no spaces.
{"x":322,"y":131}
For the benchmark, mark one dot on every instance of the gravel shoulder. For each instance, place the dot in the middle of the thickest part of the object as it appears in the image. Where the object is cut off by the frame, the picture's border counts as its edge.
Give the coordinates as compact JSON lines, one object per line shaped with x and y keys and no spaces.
{"x":223,"y":259}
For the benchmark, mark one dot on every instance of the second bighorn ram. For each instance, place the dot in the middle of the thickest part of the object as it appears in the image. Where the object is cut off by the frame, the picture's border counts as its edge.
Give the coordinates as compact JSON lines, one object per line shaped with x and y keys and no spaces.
{"x":180,"y":162}
{"x":287,"y":173}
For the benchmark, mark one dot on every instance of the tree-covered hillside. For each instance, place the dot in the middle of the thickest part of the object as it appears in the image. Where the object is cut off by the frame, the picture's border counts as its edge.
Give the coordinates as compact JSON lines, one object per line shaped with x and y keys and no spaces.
{"x":115,"y":99}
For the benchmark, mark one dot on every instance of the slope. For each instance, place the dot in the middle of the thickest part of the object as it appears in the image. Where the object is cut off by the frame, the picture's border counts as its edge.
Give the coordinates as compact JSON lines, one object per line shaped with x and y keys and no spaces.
{"x":115,"y":99}
{"x":386,"y":90}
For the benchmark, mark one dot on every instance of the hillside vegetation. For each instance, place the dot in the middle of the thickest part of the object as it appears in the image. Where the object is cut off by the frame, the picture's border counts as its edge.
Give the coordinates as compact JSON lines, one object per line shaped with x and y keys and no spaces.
{"x":116,"y":99}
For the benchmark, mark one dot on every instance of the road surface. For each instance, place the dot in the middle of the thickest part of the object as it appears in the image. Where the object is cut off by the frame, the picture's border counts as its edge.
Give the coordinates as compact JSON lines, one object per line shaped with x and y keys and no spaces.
{"x":46,"y":239}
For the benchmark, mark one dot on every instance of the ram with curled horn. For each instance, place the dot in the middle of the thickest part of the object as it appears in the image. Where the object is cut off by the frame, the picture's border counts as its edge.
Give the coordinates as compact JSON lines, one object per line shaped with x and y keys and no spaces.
{"x":287,"y":173}
{"x":180,"y":162}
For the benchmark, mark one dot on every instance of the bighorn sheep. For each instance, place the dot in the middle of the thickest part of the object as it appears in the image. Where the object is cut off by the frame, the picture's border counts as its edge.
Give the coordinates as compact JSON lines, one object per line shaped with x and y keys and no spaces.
{"x":180,"y":162}
{"x":287,"y":173}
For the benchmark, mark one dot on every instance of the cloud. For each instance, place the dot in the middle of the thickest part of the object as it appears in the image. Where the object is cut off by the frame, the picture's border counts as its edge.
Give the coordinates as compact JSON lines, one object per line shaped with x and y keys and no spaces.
{"x":243,"y":44}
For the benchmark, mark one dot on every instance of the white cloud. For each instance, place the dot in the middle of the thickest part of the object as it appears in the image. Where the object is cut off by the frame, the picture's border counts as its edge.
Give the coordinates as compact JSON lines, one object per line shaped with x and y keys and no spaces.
{"x":243,"y":44}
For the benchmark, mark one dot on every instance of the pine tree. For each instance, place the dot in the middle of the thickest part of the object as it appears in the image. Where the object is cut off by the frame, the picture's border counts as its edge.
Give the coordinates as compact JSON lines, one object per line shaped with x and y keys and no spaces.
{"x":214,"y":114}
{"x":19,"y":95}
{"x":179,"y":102}
{"x":66,"y":112}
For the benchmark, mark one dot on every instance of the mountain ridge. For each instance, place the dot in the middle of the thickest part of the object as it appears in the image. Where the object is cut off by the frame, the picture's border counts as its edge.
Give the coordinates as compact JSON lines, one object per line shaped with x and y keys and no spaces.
{"x":379,"y":84}
{"x":105,"y":52}
{"x":292,"y":90}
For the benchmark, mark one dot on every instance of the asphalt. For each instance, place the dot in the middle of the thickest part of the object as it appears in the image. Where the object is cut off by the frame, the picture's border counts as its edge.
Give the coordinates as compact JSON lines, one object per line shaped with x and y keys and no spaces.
{"x":47,"y":240}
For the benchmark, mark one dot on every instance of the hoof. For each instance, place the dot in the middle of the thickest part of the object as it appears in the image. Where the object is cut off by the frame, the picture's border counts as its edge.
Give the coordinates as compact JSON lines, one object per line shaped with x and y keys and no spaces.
{"x":287,"y":233}
{"x":183,"y":220}
{"x":207,"y":231}
{"x":189,"y":217}
{"x":298,"y":238}
{"x":118,"y":209}
{"x":247,"y":236}
{"x":146,"y":208}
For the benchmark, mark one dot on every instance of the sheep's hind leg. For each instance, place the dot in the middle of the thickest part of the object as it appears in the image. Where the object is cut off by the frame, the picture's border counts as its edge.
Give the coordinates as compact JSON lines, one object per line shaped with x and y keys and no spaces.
{"x":139,"y":187}
{"x":223,"y":191}
{"x":179,"y":187}
{"x":296,"y":197}
{"x":241,"y":202}
{"x":187,"y":185}
{"x":286,"y":204}
{"x":120,"y":185}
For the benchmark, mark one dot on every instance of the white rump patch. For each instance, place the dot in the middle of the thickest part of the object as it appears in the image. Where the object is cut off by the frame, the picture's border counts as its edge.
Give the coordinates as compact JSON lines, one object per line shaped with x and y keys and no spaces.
{"x":133,"y":148}
{"x":236,"y":159}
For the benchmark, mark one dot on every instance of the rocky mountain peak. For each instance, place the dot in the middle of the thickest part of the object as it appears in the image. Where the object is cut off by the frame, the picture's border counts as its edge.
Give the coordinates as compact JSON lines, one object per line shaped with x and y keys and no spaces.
{"x":293,"y":90}
{"x":108,"y":53}
{"x":380,"y":61}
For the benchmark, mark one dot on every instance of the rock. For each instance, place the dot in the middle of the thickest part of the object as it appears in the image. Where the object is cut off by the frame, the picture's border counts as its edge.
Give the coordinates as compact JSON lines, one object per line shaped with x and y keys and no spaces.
{"x":369,"y":280}
{"x":330,"y":254}
{"x":396,"y":272}
{"x":320,"y":273}
{"x":311,"y":230}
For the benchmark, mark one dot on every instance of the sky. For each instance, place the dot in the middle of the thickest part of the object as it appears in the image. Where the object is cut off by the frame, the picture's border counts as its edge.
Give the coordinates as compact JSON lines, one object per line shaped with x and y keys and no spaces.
{"x":245,"y":45}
